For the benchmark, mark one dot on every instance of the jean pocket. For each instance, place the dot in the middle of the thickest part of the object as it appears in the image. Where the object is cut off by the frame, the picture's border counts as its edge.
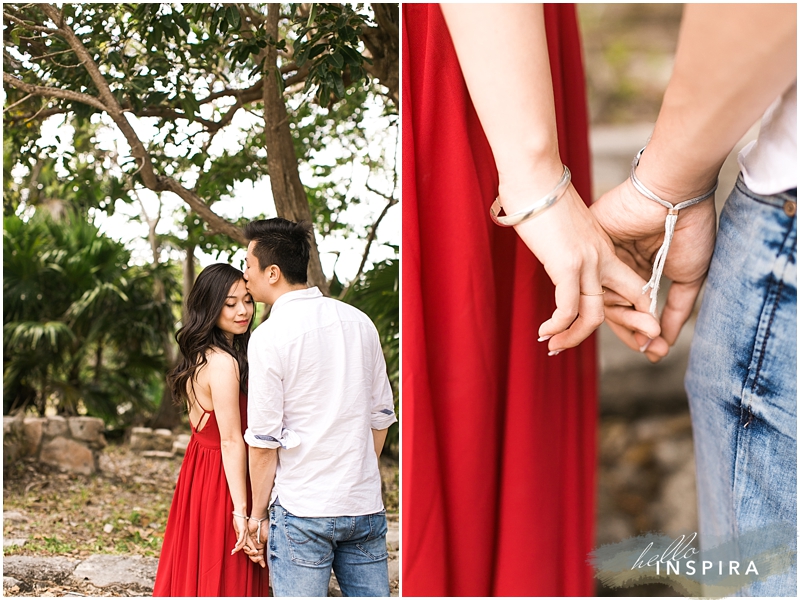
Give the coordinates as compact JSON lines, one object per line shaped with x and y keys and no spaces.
{"x":374,"y":545}
{"x":309,"y":539}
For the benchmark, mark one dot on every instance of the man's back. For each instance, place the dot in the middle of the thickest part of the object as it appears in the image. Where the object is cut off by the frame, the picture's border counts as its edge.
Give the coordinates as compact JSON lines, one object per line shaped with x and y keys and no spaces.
{"x":317,"y":369}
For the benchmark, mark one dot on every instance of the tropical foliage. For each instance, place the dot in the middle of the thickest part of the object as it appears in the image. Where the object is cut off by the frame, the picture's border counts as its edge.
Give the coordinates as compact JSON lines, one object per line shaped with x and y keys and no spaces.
{"x":81,"y":328}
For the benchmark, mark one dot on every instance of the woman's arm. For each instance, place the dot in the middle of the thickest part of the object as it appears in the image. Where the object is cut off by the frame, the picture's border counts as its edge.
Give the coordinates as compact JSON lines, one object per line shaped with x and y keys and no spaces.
{"x":502,"y":50}
{"x":223,"y":377}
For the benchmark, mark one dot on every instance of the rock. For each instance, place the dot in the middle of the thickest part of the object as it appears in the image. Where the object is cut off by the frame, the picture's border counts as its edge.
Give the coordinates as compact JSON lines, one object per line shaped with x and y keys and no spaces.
{"x":88,"y":429}
{"x":7,"y":542}
{"x":13,"y":515}
{"x":161,"y":440}
{"x":394,"y":567}
{"x":181,"y":443}
{"x":103,"y":570}
{"x":56,"y":426}
{"x":13,"y":440}
{"x":672,"y":453}
{"x":157,"y":454}
{"x":28,"y":568}
{"x":34,"y":429}
{"x":9,"y":583}
{"x":68,"y":455}
{"x":393,"y":539}
{"x":140,"y":438}
{"x":675,"y":511}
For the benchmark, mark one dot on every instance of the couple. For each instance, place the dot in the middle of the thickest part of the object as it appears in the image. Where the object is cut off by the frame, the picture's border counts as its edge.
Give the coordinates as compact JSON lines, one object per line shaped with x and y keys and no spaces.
{"x":309,"y":394}
{"x":500,"y":394}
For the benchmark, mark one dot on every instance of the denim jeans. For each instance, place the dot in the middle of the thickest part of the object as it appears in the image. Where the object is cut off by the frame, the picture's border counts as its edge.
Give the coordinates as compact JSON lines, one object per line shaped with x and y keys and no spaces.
{"x":302,"y":551}
{"x":742,"y":380}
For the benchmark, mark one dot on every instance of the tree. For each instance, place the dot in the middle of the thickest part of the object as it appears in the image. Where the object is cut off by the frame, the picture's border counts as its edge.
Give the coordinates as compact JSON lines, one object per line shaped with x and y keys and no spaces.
{"x":195,"y":70}
{"x":204,"y":97}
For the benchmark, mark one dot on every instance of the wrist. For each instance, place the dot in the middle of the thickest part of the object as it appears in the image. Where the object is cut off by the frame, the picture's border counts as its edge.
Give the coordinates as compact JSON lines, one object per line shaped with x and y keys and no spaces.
{"x":529,"y":182}
{"x":673,"y":178}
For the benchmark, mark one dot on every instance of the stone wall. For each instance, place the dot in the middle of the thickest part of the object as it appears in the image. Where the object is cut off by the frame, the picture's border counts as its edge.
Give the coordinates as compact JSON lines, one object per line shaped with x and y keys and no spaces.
{"x":70,"y":444}
{"x":158,"y":443}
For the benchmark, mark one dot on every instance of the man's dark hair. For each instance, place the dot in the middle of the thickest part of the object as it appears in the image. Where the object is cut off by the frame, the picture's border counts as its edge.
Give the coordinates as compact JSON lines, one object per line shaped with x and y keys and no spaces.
{"x":283,"y":243}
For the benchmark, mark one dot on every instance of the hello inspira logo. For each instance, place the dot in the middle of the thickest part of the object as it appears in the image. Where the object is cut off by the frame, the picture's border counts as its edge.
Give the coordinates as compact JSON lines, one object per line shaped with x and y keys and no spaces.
{"x":718,"y":568}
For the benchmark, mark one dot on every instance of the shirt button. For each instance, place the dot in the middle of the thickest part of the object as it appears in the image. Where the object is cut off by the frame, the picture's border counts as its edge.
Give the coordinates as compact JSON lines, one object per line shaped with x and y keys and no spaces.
{"x":790,"y":208}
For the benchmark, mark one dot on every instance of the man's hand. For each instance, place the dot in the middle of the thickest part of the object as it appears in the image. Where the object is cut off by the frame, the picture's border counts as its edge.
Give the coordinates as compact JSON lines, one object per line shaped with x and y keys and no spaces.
{"x":256,"y":541}
{"x":636,"y":226}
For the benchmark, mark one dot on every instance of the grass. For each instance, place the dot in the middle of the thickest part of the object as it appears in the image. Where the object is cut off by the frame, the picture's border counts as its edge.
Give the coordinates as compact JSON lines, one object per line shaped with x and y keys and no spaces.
{"x":114,"y":512}
{"x":121,"y":510}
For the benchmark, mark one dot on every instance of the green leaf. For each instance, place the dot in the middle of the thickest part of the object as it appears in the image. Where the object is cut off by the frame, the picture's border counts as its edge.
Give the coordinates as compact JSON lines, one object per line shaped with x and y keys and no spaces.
{"x":317,"y":50}
{"x":312,"y":15}
{"x":232,"y":16}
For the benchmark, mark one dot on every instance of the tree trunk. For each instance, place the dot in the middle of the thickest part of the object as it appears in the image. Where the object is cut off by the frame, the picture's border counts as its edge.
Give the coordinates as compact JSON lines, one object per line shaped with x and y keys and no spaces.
{"x":169,"y":414}
{"x":188,"y":272}
{"x":290,"y":197}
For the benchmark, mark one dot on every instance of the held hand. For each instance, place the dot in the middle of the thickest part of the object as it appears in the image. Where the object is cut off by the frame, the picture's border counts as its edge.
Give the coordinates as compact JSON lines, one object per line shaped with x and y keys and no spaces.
{"x":636,"y":226}
{"x":256,"y":542}
{"x":240,"y":527}
{"x":579,"y":257}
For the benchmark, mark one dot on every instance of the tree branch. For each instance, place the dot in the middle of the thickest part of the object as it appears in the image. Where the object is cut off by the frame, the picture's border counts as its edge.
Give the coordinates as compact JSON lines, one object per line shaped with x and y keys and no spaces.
{"x":109,"y":104}
{"x":48,"y":92}
{"x":22,"y":23}
{"x":373,"y":230}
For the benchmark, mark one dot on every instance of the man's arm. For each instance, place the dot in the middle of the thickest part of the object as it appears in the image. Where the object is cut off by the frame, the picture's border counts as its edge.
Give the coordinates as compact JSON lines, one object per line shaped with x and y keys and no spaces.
{"x":379,"y":439}
{"x":732,"y":62}
{"x":263,"y":464}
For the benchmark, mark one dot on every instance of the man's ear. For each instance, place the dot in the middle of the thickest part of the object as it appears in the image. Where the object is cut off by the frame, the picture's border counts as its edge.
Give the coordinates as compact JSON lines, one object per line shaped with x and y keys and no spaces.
{"x":273,"y":274}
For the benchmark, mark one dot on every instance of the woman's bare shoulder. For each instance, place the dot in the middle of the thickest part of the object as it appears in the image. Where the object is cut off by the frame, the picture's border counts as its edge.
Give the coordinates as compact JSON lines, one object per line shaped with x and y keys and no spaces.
{"x":220,"y":364}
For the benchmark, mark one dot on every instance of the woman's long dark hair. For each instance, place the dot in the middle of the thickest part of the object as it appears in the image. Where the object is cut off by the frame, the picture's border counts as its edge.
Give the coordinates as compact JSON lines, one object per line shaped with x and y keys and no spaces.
{"x":200,"y":332}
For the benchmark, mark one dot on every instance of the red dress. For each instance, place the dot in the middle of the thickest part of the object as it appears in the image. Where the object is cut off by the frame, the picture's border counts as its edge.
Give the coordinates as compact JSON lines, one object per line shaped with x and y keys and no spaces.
{"x":498,"y":438}
{"x":196,"y":555}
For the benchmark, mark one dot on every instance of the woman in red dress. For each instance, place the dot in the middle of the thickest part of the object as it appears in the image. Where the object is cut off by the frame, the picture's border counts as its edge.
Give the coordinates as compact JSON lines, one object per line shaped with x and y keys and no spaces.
{"x":499,"y":428}
{"x":207,"y":520}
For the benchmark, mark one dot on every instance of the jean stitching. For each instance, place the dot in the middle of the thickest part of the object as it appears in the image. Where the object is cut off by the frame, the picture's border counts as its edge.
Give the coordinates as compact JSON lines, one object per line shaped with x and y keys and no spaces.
{"x":291,"y":543}
{"x":383,"y":556}
{"x":775,"y":304}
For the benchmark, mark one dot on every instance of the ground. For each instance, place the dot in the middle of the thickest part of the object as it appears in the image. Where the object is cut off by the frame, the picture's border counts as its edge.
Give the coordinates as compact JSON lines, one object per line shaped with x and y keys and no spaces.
{"x":121,"y":510}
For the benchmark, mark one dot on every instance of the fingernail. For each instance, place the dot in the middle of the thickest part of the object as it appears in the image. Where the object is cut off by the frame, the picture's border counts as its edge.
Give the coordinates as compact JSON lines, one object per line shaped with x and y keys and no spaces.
{"x":554,"y":353}
{"x":646,"y":345}
{"x":544,"y":338}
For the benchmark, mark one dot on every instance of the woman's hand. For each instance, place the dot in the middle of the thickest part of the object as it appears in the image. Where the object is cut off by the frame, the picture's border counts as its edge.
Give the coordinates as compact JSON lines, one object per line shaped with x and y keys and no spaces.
{"x":636,"y":227}
{"x":580,"y":259}
{"x":240,"y":527}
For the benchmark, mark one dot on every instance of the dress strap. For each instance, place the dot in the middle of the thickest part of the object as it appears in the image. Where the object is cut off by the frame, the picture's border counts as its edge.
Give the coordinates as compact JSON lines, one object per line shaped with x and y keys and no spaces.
{"x":200,"y":422}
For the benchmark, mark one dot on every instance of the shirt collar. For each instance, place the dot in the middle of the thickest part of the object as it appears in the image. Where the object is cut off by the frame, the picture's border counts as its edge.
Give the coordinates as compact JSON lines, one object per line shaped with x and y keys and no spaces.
{"x":306,"y":294}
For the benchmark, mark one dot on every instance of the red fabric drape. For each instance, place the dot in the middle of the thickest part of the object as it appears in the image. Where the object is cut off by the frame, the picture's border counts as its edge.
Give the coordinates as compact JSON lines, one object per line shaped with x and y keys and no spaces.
{"x":498,"y":438}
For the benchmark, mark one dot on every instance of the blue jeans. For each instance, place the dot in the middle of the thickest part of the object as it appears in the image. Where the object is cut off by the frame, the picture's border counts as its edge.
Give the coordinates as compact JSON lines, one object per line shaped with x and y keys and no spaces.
{"x":302,"y":551}
{"x":742,"y":381}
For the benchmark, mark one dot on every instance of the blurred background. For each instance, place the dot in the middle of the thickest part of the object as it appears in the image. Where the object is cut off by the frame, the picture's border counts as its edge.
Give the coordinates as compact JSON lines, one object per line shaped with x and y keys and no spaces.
{"x":646,"y":478}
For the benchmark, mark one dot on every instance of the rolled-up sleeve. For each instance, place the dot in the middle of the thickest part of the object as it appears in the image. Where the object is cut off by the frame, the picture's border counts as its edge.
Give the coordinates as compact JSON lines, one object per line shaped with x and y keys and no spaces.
{"x":382,"y":414}
{"x":264,"y":395}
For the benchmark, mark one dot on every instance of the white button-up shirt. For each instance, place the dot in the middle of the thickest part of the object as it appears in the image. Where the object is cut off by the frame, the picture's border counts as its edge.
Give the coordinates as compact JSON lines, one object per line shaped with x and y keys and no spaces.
{"x":317,"y":387}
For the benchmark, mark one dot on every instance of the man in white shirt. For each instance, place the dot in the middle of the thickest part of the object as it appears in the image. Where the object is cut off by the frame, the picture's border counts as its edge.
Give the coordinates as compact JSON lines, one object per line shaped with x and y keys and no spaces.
{"x":319,"y":405}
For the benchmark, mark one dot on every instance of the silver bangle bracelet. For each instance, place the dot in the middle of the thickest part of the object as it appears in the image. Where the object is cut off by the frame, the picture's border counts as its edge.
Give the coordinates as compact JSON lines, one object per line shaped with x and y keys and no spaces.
{"x":533,"y":210}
